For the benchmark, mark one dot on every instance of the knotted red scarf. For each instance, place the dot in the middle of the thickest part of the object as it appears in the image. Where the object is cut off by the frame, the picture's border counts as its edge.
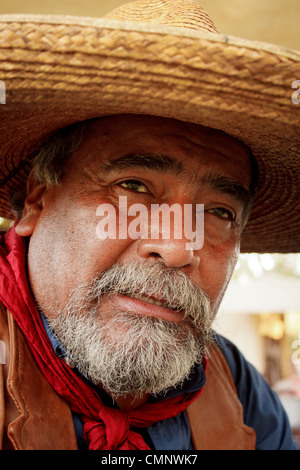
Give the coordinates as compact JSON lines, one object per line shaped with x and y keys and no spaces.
{"x":104,"y":427}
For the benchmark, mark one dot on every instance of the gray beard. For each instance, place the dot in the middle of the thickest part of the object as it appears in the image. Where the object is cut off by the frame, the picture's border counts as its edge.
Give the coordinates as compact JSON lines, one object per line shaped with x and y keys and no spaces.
{"x":131,"y":354}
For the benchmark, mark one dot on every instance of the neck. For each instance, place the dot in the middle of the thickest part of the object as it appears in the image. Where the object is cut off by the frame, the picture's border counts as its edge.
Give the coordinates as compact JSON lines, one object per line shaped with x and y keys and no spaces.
{"x":129,"y":402}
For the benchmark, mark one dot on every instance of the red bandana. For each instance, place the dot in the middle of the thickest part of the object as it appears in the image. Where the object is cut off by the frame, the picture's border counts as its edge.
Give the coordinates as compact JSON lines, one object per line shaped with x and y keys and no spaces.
{"x":104,"y":427}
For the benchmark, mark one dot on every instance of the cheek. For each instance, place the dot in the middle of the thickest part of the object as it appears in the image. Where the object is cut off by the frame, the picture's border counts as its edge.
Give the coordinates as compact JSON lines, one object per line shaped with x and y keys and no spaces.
{"x":81,"y":254}
{"x":216,"y":268}
{"x":65,"y":252}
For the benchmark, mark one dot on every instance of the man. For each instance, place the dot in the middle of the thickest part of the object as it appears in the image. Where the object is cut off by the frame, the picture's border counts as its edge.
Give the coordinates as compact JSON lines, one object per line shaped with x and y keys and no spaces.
{"x":107,"y":311}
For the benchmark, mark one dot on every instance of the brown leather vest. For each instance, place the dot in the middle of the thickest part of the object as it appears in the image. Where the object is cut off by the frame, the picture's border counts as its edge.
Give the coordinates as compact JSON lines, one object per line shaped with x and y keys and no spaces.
{"x":34,"y":417}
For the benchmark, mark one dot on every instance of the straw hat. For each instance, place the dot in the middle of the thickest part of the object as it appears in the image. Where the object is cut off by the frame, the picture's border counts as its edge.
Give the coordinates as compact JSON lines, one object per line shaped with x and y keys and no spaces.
{"x":159,"y":57}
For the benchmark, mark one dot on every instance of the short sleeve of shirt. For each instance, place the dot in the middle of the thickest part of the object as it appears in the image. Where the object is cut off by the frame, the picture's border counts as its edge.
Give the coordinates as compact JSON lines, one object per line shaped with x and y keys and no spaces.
{"x":263,"y":410}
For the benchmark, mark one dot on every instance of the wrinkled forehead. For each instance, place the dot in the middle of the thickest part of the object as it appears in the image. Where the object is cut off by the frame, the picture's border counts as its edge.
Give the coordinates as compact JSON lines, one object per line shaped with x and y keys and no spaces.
{"x":127,"y":126}
{"x":189,"y":143}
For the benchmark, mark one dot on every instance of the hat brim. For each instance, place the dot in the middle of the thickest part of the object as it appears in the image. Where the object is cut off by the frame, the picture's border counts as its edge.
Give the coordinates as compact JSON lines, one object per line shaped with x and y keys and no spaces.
{"x":61,"y":70}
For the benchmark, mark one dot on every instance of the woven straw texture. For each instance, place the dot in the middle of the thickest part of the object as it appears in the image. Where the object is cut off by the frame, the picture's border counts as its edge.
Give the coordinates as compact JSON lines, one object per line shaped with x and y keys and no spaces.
{"x":60,"y":70}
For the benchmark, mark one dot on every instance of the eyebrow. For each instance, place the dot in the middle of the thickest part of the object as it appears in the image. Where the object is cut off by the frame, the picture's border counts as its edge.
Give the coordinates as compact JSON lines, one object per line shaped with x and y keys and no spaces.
{"x":227,"y":185}
{"x":151,"y":161}
{"x":163,"y":163}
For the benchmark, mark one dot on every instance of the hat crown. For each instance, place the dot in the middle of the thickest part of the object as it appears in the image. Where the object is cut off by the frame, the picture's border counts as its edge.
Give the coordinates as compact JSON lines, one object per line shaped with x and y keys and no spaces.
{"x":178,"y":13}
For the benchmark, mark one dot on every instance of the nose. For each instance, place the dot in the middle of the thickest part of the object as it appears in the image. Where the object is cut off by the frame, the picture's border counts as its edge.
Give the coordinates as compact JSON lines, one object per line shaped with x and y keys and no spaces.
{"x":173,"y":253}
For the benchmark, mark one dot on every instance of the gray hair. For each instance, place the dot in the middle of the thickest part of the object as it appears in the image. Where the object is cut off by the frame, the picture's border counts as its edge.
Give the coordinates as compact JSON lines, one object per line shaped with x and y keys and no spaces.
{"x":48,"y":162}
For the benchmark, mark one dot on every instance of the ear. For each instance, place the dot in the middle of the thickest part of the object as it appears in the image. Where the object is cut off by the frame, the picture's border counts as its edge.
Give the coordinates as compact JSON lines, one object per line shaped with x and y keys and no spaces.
{"x":32,"y":208}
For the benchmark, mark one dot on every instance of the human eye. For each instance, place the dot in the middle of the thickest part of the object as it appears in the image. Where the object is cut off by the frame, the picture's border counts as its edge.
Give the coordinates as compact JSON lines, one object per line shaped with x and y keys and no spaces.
{"x":134,"y":185}
{"x":222,"y":213}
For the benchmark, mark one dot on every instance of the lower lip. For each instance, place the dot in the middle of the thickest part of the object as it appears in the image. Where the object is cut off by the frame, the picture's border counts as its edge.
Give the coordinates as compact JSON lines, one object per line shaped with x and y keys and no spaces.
{"x":150,"y":310}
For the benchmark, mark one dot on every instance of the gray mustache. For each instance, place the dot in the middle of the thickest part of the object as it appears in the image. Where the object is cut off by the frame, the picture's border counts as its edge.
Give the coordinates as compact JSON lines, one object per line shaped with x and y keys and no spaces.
{"x":169,"y":285}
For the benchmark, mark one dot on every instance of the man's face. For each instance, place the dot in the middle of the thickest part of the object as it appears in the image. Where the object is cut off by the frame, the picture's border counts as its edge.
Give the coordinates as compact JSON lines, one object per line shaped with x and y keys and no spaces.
{"x":150,"y":161}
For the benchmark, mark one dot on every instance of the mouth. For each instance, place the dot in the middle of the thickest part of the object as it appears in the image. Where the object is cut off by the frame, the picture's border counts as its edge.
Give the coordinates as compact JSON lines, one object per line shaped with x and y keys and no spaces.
{"x":149,"y":300}
{"x":148,"y":306}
